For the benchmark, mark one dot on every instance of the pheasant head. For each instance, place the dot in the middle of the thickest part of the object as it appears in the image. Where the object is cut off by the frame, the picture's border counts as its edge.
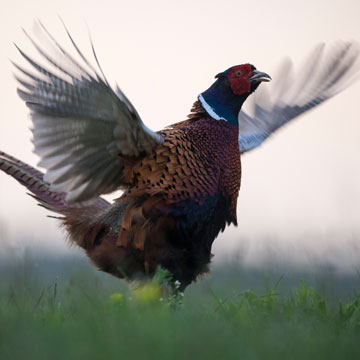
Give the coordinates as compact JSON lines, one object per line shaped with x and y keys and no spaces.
{"x":224,"y":99}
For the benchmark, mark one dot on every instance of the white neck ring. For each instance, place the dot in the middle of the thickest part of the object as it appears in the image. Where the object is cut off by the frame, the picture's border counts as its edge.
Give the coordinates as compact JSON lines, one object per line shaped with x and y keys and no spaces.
{"x":209,"y":109}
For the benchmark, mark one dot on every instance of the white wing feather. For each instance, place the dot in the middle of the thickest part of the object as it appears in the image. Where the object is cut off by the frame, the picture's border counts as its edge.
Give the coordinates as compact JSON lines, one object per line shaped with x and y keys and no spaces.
{"x":80,"y":125}
{"x":323,"y":75}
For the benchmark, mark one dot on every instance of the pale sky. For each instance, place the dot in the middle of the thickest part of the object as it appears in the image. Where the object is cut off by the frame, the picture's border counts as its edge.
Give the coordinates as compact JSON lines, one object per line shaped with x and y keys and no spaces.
{"x":300,"y":189}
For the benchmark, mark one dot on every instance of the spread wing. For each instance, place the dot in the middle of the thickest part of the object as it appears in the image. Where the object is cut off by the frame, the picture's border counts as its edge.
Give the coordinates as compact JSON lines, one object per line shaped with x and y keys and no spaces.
{"x":323,"y":76}
{"x":80,"y":125}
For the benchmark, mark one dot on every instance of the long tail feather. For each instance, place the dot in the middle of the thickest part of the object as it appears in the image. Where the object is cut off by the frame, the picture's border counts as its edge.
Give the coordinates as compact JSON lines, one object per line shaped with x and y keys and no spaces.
{"x":39,"y":189}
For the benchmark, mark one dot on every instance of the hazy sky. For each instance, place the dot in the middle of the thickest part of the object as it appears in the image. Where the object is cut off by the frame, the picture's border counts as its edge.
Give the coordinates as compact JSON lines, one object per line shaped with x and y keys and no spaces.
{"x":301,"y":187}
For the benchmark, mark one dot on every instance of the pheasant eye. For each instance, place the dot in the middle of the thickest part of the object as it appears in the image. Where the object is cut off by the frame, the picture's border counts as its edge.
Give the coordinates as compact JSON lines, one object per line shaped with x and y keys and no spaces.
{"x":238,"y":73}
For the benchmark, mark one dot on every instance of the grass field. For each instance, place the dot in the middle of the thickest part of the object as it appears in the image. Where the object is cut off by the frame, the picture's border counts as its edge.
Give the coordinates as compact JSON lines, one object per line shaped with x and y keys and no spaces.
{"x":63,"y":309}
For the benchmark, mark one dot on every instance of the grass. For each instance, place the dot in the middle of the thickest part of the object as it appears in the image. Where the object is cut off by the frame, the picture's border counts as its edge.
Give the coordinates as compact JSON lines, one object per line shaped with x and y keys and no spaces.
{"x":66,"y":310}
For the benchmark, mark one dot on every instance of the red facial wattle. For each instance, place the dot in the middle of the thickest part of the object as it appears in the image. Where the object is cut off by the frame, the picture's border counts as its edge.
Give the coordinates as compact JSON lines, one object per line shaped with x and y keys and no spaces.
{"x":239,"y":79}
{"x":240,"y":86}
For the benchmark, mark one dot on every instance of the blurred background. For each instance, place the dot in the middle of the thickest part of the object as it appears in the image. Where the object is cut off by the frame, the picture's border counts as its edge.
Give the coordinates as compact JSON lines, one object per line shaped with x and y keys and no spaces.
{"x":299,"y":202}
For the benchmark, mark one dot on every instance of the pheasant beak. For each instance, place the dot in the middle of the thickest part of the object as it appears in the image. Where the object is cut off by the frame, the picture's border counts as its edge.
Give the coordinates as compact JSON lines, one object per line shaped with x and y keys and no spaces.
{"x":259,"y":76}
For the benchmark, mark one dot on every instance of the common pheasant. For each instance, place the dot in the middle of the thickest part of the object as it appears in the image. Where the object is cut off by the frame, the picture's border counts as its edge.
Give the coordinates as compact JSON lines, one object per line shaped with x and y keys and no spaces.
{"x":180,"y":184}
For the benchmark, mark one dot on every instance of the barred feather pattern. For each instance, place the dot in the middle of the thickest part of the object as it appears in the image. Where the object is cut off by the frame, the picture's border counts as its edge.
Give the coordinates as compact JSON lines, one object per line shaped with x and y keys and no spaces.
{"x":33,"y":180}
{"x":80,"y":123}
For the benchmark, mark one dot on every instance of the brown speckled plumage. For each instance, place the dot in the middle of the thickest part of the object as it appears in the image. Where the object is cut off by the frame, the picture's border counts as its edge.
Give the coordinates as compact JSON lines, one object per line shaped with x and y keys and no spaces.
{"x":199,"y":160}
